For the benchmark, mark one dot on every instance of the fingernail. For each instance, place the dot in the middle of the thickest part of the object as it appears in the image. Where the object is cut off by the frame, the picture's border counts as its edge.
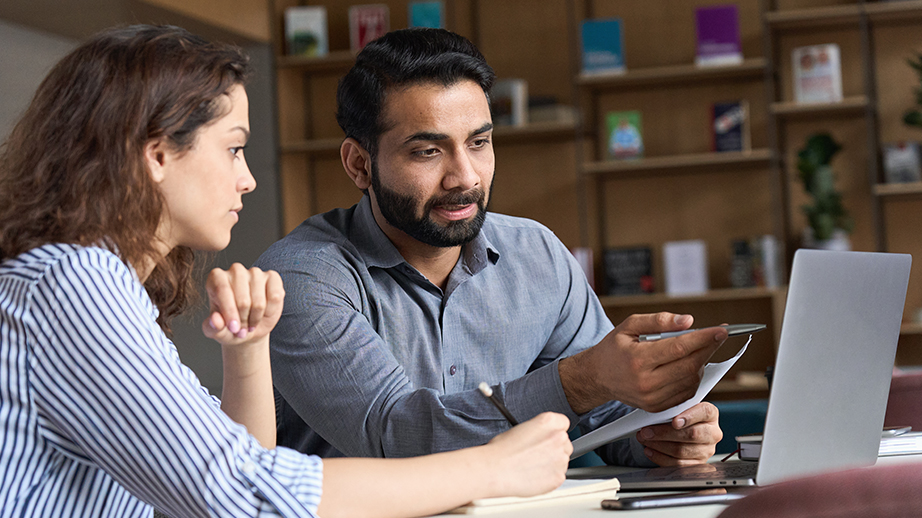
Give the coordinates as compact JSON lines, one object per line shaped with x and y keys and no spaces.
{"x":242,"y":333}
{"x":648,"y":452}
{"x":681,"y":319}
{"x":211,"y":323}
{"x":233,"y":326}
{"x":647,"y":433}
{"x":680,"y":422}
{"x":251,"y":329}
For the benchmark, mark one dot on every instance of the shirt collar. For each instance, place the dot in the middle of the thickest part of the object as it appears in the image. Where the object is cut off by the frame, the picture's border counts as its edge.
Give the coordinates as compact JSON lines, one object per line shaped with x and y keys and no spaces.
{"x":378,"y":250}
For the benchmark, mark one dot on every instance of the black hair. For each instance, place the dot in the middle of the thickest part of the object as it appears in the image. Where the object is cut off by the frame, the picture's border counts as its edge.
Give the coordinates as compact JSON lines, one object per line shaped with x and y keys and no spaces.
{"x":403,"y":58}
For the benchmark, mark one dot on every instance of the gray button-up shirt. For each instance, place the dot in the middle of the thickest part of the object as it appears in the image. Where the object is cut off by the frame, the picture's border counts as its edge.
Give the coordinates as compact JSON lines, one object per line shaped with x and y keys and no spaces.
{"x":372,"y":359}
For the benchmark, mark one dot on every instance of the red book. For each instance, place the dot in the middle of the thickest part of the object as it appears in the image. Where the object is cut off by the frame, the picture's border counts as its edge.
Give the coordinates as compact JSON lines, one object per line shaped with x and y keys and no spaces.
{"x":367,"y":23}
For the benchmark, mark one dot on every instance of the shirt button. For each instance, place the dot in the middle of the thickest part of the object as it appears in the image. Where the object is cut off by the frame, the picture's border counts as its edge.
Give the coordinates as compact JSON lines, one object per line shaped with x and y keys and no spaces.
{"x":248,"y":468}
{"x":452,"y":370}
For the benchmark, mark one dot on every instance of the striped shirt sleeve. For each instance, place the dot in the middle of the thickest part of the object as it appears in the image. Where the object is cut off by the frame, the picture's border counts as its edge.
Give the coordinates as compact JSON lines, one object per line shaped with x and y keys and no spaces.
{"x":110,"y":391}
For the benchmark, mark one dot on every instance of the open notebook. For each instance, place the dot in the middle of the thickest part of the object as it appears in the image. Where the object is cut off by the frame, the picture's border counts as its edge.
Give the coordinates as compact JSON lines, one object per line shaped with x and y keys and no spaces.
{"x":568,"y":490}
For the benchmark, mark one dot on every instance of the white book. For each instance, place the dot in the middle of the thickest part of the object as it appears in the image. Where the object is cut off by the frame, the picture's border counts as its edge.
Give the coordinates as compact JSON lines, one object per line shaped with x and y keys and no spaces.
{"x":306,"y":30}
{"x":817,"y":74}
{"x":686,"y":265}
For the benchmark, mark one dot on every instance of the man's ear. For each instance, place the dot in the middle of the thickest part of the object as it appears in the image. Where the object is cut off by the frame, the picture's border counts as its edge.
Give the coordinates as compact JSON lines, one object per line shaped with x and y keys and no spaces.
{"x":356,"y":162}
{"x":155,"y":158}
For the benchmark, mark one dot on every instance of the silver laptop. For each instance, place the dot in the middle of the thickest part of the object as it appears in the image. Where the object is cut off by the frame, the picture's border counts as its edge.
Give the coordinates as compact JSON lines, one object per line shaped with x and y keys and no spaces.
{"x":831,"y":378}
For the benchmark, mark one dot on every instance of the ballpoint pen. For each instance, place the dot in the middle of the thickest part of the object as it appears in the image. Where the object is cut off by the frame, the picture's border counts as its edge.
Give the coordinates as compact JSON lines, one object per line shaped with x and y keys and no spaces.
{"x":487,"y":391}
{"x":732,"y":330}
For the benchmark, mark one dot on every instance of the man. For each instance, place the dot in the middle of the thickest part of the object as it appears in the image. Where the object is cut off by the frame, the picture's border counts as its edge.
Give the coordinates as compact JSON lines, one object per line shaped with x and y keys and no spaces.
{"x":398,"y":307}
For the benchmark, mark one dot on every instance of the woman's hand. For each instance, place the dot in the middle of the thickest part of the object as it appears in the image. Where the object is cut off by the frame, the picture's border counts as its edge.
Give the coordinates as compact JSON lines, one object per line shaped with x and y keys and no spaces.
{"x":532,"y":457}
{"x":244,"y":304}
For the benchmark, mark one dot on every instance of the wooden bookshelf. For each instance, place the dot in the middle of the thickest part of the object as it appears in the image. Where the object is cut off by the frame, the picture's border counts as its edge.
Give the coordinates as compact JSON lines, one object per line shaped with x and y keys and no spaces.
{"x":912,"y":189}
{"x":680,"y":164}
{"x":673,"y":74}
{"x":849,"y":106}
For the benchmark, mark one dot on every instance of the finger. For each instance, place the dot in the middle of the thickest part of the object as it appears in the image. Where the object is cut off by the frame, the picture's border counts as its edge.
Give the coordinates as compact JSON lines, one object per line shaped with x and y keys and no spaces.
{"x":257,"y":289}
{"x":663,"y":458}
{"x":682,"y":450}
{"x":707,"y":339}
{"x":240,"y":283}
{"x":703,"y":412}
{"x":275,"y":298}
{"x":637,"y":325}
{"x":221,"y":300}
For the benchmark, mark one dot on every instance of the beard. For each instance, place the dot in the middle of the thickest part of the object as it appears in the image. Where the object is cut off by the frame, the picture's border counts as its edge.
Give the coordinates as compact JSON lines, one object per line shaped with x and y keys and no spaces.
{"x":400,"y":212}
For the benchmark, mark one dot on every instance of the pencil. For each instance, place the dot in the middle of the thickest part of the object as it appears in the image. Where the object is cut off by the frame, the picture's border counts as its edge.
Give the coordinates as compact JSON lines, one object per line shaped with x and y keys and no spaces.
{"x":487,"y":391}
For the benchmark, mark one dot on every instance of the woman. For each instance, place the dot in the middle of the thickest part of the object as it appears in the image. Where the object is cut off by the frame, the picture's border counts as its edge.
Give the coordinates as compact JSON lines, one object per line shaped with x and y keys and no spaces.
{"x":129,"y":157}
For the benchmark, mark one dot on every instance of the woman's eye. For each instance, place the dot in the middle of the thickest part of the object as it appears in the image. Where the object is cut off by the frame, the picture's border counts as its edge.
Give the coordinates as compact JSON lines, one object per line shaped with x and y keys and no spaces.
{"x":237,"y":150}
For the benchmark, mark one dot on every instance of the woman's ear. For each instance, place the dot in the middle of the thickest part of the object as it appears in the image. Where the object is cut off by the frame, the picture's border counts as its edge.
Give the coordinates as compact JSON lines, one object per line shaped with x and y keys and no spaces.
{"x":155,"y":158}
{"x":356,"y":162}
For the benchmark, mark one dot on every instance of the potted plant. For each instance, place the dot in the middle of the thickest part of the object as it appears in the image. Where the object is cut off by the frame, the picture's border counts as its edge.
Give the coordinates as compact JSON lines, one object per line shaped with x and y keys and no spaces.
{"x":829,"y":224}
{"x":913,"y":117}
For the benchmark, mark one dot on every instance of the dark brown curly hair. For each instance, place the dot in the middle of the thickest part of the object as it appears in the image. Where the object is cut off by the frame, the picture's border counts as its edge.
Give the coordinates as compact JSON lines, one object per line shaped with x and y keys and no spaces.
{"x":73,"y":171}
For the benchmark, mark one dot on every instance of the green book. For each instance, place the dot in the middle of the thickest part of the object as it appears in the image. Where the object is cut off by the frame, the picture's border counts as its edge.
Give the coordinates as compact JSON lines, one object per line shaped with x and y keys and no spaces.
{"x":625,"y":135}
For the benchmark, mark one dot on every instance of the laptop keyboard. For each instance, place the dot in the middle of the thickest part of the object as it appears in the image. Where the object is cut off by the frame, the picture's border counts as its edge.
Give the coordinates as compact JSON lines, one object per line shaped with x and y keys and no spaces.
{"x":734,"y":470}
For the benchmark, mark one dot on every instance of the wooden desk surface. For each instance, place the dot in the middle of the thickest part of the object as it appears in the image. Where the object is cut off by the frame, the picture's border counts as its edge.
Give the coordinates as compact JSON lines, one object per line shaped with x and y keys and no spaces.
{"x":589,"y":506}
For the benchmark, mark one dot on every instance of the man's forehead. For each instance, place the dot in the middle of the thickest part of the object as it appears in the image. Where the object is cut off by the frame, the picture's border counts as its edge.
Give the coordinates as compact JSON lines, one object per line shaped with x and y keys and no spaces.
{"x":394,"y":112}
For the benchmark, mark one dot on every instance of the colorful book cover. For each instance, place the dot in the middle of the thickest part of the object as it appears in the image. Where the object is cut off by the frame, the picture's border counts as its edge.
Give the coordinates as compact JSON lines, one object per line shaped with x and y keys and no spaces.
{"x":730,"y":126}
{"x":628,"y":270}
{"x":602,"y":46}
{"x":306,"y":30}
{"x":427,"y":14}
{"x":625,"y":134}
{"x":367,"y":23}
{"x":718,"y":30}
{"x":817,"y":74}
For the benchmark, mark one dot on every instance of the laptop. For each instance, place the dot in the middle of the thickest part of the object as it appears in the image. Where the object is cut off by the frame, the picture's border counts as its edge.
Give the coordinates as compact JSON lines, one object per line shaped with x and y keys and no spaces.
{"x":831,"y":378}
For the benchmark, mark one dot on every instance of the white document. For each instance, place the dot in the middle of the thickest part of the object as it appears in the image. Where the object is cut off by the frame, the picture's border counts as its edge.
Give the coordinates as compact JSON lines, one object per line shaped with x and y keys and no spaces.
{"x":631,"y":423}
{"x":686,"y":266}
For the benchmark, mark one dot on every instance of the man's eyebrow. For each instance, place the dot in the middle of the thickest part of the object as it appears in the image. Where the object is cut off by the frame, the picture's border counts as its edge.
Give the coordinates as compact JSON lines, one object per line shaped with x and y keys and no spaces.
{"x":426,"y":136}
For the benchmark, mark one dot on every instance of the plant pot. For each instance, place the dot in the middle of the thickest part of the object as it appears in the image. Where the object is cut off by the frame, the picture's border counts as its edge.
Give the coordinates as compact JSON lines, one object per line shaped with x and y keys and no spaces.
{"x":840,"y":241}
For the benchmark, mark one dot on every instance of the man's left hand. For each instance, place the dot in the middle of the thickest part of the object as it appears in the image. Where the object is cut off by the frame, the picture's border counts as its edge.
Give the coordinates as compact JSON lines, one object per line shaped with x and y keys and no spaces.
{"x":690,"y":438}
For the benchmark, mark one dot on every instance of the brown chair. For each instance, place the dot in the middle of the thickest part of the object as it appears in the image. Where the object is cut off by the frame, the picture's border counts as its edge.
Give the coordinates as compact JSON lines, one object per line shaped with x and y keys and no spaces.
{"x":877,"y":492}
{"x":904,"y":408}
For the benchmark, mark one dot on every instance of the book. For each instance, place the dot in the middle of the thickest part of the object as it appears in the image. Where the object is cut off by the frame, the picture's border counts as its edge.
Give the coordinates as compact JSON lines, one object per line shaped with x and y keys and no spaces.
{"x":602,"y":46}
{"x":817,"y":74}
{"x":902,"y":162}
{"x":426,"y":14}
{"x":583,"y":256}
{"x":718,"y":31}
{"x":306,"y":31}
{"x":625,"y":134}
{"x":570,"y":489}
{"x":755,"y":262}
{"x":509,"y":102}
{"x":686,"y":267}
{"x":366,"y":23}
{"x":628,"y":270}
{"x":730,"y":126}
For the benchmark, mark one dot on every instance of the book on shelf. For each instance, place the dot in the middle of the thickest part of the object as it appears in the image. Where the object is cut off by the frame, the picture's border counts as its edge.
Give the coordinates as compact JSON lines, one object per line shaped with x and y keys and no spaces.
{"x":902,"y":163}
{"x":426,"y":14}
{"x":685,"y":264}
{"x":755,"y":262}
{"x":817,"y":73}
{"x":366,"y":23}
{"x":624,"y":134}
{"x":602,"y":46}
{"x":306,"y":31}
{"x":730,"y":126}
{"x":628,"y":270}
{"x":583,"y":256}
{"x":718,"y":31}
{"x":509,"y":102}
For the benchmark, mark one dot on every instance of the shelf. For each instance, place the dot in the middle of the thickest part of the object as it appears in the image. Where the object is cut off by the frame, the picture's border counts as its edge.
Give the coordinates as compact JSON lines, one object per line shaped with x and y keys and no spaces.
{"x":902,"y":11}
{"x":321,"y":146}
{"x":721,"y":295}
{"x":853,"y":105}
{"x":888,"y":190}
{"x":535,"y":131}
{"x":911,"y":328}
{"x":333,"y":62}
{"x":809,"y":18}
{"x":677,"y":162}
{"x":678,"y":75}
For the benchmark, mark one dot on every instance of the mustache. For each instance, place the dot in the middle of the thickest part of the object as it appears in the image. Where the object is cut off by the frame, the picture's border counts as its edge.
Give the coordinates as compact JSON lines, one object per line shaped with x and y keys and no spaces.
{"x":458,"y":198}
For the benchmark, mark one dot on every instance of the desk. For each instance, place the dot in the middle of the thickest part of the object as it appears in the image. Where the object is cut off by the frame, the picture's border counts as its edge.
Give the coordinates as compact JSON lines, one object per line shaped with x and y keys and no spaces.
{"x":589,"y":506}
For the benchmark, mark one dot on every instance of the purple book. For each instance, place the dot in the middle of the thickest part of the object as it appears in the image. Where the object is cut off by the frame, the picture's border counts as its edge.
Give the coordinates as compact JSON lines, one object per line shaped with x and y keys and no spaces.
{"x":718,"y":36}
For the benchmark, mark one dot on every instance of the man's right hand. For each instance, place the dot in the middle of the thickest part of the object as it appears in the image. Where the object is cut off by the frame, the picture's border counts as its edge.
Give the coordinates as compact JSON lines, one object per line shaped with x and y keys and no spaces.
{"x":653,"y":376}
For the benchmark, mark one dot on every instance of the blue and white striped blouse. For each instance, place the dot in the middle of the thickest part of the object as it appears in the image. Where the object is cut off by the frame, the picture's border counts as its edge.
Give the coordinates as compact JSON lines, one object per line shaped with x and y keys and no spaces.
{"x":98,"y":417}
